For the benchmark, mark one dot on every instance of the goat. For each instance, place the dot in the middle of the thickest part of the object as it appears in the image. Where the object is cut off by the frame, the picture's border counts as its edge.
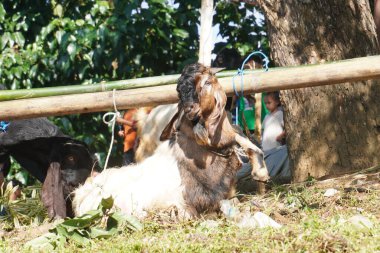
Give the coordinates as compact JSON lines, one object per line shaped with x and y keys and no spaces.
{"x":58,"y":161}
{"x":195,"y":166}
{"x":150,"y":127}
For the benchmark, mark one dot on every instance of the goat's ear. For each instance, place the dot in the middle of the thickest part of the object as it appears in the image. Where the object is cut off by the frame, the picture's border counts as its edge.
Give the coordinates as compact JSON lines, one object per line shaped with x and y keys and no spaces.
{"x":52,"y":192}
{"x":171,"y":126}
{"x":216,"y":70}
{"x":216,"y":117}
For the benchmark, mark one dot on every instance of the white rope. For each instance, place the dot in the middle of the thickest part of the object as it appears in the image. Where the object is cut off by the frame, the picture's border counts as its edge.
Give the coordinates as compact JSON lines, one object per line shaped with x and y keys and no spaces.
{"x":112,"y":121}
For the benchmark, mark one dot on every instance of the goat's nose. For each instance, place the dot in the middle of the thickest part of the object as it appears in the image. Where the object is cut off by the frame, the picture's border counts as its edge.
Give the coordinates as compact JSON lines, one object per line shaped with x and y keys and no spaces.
{"x":189,"y":108}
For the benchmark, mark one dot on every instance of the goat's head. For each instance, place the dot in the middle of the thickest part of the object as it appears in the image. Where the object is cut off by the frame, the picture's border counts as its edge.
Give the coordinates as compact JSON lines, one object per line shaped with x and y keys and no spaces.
{"x":199,"y":92}
{"x":201,"y":101}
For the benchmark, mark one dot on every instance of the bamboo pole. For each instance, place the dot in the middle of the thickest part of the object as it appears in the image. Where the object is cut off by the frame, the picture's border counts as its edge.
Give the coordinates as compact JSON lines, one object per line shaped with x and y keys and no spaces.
{"x":365,"y":68}
{"x":90,"y":88}
{"x":87,"y":88}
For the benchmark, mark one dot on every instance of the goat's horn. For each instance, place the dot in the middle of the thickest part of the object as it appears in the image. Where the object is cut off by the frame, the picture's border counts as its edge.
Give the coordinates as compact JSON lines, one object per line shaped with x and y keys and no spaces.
{"x":216,"y":70}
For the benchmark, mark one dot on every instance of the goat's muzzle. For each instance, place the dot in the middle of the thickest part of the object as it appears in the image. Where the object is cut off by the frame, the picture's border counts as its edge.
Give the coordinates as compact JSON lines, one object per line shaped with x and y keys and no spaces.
{"x":192,"y":111}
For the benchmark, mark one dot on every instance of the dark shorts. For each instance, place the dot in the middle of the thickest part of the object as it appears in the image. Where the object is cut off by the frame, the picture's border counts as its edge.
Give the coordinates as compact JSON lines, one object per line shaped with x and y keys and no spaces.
{"x":128,"y":157}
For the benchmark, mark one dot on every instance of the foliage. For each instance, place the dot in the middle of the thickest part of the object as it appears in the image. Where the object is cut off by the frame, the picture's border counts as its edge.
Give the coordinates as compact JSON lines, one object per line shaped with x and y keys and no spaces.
{"x":243,"y":27}
{"x":100,"y":223}
{"x":93,"y":41}
{"x":66,"y":42}
{"x":26,"y":210}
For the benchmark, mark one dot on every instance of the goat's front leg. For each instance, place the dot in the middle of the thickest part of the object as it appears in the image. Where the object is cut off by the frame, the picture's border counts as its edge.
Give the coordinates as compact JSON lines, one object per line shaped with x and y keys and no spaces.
{"x":256,"y":157}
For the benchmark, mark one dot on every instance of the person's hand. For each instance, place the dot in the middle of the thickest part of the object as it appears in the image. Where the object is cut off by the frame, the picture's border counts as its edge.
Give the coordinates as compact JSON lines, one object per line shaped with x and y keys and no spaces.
{"x":119,"y":120}
{"x":281,"y":138}
{"x":121,"y":133}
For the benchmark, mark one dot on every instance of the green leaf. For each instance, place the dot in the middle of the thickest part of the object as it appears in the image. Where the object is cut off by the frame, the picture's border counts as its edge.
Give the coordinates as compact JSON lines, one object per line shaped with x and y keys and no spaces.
{"x":71,"y":49}
{"x":129,"y":221}
{"x":78,"y":238}
{"x":83,"y":221}
{"x":163,"y":35}
{"x":4,"y":39}
{"x":58,"y":10}
{"x":181,"y":33}
{"x":47,"y":242}
{"x":134,"y":224}
{"x":106,"y":203}
{"x":22,"y":176}
{"x":19,"y":39}
{"x":58,"y":35}
{"x":88,"y":58}
{"x":79,"y":22}
{"x":61,"y":230}
{"x":93,"y":214}
{"x":16,"y":17}
{"x":2,"y":13}
{"x":101,"y":233}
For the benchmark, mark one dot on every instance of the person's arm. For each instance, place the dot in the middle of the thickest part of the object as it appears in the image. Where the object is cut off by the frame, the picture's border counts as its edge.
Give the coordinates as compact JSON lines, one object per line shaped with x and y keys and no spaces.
{"x":126,"y":122}
{"x":281,"y":137}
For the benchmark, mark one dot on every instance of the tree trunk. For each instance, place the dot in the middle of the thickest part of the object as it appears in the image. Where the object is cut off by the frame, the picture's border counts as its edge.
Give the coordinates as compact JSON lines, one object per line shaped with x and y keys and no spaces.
{"x":205,"y":38}
{"x":330,"y":129}
{"x":376,"y":17}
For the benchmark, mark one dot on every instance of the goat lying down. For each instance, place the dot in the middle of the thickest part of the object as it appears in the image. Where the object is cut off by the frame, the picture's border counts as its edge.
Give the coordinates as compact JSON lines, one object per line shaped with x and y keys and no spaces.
{"x":150,"y":127}
{"x":193,"y":169}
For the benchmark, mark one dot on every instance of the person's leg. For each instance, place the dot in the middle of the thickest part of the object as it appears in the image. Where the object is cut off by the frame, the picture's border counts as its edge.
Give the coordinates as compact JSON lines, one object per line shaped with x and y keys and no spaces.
{"x":128,"y":157}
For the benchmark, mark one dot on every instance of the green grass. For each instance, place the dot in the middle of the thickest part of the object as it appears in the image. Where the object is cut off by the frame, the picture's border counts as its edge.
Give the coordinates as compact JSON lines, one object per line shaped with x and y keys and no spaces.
{"x":311,"y":223}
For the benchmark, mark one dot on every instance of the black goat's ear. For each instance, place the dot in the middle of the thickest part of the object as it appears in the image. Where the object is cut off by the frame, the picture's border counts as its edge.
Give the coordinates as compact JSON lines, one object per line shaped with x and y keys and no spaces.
{"x":216,"y":70}
{"x":52,"y":192}
{"x":171,"y":126}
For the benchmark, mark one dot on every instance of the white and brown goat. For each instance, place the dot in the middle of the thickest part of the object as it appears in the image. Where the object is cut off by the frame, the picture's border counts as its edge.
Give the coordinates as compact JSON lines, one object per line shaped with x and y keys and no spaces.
{"x":193,"y":169}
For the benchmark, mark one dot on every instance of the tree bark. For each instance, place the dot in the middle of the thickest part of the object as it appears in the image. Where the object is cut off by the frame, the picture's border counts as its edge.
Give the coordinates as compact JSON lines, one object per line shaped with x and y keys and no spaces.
{"x":376,"y":17}
{"x":330,"y":129}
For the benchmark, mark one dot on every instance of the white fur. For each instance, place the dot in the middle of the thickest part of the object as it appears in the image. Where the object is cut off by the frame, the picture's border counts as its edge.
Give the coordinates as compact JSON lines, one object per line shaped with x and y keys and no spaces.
{"x":153,"y":184}
{"x":150,"y":128}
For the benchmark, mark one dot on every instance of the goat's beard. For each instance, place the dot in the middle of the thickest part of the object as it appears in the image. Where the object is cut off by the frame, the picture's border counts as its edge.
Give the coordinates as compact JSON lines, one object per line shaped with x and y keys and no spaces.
{"x":201,"y":134}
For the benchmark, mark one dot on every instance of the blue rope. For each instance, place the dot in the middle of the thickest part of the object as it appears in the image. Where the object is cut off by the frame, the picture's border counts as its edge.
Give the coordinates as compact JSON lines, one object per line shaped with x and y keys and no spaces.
{"x":240,"y":72}
{"x":3,"y":126}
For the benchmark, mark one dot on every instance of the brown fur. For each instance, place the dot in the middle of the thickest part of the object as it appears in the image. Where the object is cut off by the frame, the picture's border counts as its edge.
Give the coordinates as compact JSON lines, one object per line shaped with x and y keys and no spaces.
{"x":207,"y":177}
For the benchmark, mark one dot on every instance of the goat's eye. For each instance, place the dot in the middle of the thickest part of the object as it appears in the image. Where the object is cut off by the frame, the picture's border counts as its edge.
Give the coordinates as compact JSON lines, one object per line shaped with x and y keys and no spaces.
{"x":207,"y":83}
{"x":70,"y":158}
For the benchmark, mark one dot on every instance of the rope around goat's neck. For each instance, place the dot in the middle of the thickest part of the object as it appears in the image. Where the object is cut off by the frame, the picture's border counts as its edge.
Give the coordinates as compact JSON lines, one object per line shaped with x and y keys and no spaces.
{"x":110,"y":122}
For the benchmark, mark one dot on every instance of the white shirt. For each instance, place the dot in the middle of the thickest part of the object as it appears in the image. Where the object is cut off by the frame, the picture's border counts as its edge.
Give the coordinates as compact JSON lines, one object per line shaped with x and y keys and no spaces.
{"x":273,"y":126}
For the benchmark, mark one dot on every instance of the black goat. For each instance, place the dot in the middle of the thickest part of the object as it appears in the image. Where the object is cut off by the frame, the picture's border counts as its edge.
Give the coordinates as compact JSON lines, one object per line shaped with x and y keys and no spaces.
{"x":55,"y":159}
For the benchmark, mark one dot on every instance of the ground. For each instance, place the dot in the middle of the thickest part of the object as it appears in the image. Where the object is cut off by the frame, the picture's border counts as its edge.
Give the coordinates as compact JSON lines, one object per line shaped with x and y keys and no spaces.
{"x":345,"y":221}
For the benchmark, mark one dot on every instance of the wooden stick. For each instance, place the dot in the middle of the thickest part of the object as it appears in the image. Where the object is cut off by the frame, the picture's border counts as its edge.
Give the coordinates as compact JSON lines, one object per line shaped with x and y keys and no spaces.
{"x":365,"y":68}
